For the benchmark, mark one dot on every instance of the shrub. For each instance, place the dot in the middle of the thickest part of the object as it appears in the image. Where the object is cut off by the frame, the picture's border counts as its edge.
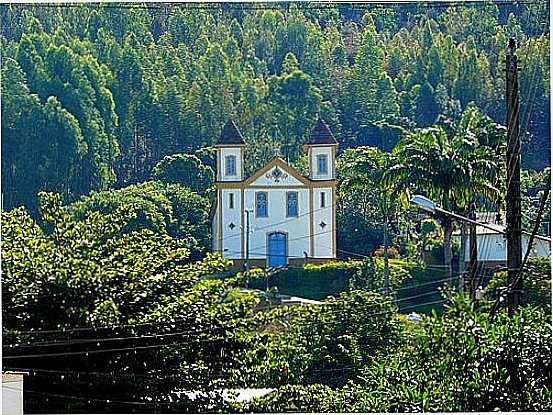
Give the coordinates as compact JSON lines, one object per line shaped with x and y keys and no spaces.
{"x":537,"y":283}
{"x":163,"y":208}
{"x":314,"y":281}
{"x":466,"y":361}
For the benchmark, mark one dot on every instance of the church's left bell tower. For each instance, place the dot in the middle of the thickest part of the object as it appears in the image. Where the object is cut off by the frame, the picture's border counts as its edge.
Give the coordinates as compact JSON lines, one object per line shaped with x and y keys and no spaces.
{"x":228,"y":221}
{"x":230,"y":154}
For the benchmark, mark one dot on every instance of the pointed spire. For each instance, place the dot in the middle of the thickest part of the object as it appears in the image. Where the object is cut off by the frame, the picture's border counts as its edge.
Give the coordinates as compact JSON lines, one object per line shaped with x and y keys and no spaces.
{"x":231,"y":135}
{"x":321,"y":134}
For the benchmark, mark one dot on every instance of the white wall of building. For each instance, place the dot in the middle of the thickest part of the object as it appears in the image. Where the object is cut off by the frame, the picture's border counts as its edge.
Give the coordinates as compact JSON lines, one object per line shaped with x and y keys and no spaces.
{"x":329,"y":152}
{"x":323,"y":236}
{"x":493,"y":247}
{"x":230,"y":151}
{"x":12,"y":394}
{"x":309,"y":234}
{"x":296,"y":228}
{"x":232,"y":235}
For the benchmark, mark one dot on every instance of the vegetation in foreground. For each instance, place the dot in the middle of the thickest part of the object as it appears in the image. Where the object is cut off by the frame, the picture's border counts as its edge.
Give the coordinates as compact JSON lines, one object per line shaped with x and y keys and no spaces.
{"x":94,"y":302}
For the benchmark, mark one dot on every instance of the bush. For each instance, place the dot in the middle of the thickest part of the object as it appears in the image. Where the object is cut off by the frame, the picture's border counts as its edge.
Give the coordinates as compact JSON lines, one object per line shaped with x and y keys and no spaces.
{"x":537,"y":284}
{"x":462,"y":361}
{"x":327,"y":344}
{"x":163,"y":208}
{"x":466,"y":361}
{"x":314,"y":281}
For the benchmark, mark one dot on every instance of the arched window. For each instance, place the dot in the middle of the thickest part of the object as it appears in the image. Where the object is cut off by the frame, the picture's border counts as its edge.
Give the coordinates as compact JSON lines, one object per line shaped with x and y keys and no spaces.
{"x":230,"y":165}
{"x":261,"y":204}
{"x":291,"y":204}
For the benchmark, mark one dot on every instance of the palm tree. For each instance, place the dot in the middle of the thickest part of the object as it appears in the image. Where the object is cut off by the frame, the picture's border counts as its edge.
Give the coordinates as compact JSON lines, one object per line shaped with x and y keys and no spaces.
{"x":452,"y":169}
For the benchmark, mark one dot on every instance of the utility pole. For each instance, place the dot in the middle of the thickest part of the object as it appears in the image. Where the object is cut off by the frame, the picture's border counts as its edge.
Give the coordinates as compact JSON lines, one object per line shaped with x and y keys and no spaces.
{"x":462,"y":256}
{"x":512,"y":200}
{"x":247,"y":262}
{"x":473,"y":265}
{"x":386,"y":262}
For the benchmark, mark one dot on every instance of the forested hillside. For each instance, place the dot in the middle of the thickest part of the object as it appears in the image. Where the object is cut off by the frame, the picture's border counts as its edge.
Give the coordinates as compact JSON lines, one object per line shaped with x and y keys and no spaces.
{"x":94,"y":96}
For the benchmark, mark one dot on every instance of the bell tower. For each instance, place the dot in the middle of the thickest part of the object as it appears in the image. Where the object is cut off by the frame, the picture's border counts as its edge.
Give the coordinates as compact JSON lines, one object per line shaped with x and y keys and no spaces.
{"x":230,"y":154}
{"x":321,"y":149}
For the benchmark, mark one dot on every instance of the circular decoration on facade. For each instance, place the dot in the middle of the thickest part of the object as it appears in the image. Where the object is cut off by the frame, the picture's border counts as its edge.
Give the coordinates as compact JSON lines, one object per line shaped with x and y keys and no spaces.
{"x":277,"y":175}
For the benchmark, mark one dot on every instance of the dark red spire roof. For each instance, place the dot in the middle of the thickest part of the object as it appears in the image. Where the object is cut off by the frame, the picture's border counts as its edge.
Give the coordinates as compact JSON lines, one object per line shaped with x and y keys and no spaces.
{"x":231,"y":134}
{"x":321,"y":134}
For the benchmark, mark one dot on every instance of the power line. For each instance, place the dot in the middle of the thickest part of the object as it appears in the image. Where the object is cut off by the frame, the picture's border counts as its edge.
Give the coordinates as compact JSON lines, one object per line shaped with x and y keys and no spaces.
{"x":83,"y":398}
{"x":196,"y":341}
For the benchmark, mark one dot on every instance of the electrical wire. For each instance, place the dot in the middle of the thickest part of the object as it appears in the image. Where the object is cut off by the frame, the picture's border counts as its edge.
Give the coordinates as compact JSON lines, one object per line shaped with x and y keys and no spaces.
{"x":195,"y":341}
{"x":83,"y":398}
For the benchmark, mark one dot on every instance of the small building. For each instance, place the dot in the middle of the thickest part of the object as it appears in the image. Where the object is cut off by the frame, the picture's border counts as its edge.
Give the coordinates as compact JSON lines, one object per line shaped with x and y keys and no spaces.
{"x":492,"y":246}
{"x":291,"y":217}
{"x":12,"y":393}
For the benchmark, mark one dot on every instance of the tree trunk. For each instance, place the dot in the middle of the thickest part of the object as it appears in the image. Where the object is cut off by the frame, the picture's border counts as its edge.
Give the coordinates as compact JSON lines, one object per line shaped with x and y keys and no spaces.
{"x":448,"y":230}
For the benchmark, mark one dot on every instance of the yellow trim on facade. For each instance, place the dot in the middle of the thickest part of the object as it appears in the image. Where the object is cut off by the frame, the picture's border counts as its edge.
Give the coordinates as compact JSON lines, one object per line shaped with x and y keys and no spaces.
{"x":242,"y":224}
{"x":220,"y":224}
{"x":333,"y":153}
{"x":311,"y":220}
{"x":334,"y":202}
{"x":243,"y":185}
{"x":277,"y":162}
{"x":229,"y":145}
{"x":319,"y":145}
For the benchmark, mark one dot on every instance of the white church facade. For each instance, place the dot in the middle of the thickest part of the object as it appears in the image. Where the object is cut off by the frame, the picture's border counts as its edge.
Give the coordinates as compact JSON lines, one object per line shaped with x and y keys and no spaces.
{"x":276,"y":216}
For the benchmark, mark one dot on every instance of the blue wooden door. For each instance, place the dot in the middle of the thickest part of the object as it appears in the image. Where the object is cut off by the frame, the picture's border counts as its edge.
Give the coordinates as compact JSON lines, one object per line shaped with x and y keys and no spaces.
{"x":276,"y":249}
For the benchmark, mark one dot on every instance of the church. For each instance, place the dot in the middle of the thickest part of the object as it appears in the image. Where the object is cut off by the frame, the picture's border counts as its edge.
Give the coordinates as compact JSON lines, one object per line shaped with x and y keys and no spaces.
{"x":277,"y":216}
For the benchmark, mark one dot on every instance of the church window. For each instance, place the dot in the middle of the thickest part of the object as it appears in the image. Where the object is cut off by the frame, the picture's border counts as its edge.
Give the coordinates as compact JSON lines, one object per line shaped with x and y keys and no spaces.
{"x":322,"y":164}
{"x":323,"y":201}
{"x":231,"y":201}
{"x":261,"y":203}
{"x":230,"y":165}
{"x":291,"y":203}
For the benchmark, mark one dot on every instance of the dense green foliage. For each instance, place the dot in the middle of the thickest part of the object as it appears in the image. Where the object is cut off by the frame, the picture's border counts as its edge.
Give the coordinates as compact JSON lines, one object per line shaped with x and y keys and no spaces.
{"x":97,"y":302}
{"x":312,"y":281}
{"x":185,"y":169}
{"x":127,"y":290}
{"x":111,"y":300}
{"x":461,"y":361}
{"x":456,"y":165}
{"x":163,"y":208}
{"x":320,"y":344}
{"x":537,"y":284}
{"x":97,"y":95}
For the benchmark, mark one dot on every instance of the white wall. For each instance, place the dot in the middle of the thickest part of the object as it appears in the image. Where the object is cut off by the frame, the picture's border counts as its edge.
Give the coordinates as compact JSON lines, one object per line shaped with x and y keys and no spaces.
{"x":315,"y":151}
{"x":231,"y":238}
{"x":229,"y":151}
{"x":297,"y":228}
{"x":323,"y":237}
{"x":12,"y":394}
{"x":493,"y":247}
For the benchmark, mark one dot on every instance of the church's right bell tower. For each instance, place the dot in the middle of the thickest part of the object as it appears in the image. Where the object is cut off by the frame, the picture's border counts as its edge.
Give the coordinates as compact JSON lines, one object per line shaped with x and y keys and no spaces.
{"x":321,"y":150}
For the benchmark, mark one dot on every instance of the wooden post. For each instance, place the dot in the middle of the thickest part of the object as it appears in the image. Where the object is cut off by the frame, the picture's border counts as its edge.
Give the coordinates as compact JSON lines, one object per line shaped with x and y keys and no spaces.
{"x":512,"y":200}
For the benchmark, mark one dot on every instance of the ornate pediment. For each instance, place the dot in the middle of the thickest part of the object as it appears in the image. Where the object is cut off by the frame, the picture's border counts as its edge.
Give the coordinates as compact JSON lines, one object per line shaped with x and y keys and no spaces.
{"x":277,"y":173}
